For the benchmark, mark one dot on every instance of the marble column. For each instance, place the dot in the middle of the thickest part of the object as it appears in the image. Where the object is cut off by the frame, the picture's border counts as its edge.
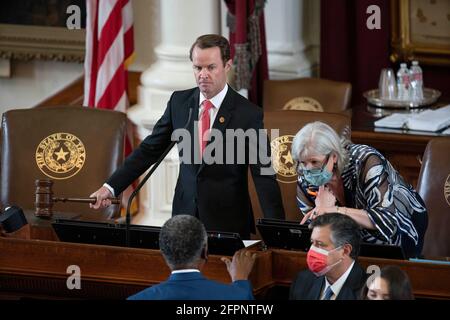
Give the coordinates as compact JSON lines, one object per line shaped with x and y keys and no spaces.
{"x":293,"y":36}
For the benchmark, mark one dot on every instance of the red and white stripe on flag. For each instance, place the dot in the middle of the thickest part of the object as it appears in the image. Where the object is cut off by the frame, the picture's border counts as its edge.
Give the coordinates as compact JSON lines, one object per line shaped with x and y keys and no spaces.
{"x":109,"y":52}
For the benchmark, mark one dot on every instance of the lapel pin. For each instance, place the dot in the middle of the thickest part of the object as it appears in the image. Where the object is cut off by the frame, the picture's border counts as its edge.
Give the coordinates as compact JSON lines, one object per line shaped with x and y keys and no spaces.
{"x":221,"y":119}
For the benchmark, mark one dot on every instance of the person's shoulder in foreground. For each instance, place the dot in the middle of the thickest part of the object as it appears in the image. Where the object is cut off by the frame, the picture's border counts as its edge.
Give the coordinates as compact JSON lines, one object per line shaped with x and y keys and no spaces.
{"x":194,"y":286}
{"x":183,"y":243}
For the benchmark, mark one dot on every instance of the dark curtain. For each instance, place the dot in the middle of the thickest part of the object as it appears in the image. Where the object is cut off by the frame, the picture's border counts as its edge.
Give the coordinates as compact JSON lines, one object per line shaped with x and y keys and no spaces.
{"x":248,"y":46}
{"x":349,"y":50}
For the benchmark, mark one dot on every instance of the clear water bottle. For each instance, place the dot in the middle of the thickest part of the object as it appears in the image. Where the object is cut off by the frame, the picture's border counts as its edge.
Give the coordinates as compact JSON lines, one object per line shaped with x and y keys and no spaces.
{"x":403,"y":82}
{"x":416,"y":76}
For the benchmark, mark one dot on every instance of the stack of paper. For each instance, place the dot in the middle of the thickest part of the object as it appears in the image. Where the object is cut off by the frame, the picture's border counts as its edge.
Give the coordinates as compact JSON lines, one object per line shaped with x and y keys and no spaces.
{"x":395,"y":120}
{"x":430,"y":120}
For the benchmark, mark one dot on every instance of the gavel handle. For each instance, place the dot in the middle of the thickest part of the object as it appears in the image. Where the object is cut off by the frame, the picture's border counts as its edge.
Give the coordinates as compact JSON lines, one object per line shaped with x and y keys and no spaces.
{"x":84,"y":200}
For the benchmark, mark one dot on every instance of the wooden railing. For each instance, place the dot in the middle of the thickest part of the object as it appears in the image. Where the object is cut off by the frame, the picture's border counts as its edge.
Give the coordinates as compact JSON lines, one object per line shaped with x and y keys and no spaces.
{"x":38,"y":268}
{"x":73,"y":94}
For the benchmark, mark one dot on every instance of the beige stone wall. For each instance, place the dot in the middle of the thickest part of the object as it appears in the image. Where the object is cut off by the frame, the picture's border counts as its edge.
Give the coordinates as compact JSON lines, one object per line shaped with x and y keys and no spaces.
{"x":34,"y":81}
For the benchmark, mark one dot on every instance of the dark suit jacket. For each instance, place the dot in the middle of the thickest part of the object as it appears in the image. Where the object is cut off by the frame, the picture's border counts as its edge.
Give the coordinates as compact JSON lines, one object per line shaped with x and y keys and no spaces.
{"x":194,"y":286}
{"x":307,"y":286}
{"x":216,"y":193}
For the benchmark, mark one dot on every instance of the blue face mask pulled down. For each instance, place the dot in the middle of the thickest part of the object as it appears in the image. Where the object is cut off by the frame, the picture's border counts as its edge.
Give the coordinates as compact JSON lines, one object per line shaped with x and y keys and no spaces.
{"x":318,"y":177}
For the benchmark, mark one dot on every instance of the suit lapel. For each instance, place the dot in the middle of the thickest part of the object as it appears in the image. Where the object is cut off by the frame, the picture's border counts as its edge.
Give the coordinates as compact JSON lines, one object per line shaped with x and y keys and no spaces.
{"x":223,"y":117}
{"x":193,"y":102}
{"x":225,"y":112}
{"x":316,"y":289}
{"x":353,"y":284}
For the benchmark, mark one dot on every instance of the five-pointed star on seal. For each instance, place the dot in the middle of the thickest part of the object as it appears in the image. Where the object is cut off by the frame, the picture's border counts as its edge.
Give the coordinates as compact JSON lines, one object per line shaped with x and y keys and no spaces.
{"x":288,"y":158}
{"x":61,"y":154}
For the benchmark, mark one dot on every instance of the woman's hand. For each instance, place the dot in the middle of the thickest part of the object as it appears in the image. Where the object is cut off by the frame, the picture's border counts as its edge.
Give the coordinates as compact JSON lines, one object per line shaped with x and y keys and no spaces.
{"x":317,"y":211}
{"x":325,"y":198}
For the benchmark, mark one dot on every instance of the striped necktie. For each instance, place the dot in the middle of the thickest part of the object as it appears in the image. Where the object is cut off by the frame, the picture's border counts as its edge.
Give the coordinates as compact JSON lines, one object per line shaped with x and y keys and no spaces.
{"x":328,"y":293}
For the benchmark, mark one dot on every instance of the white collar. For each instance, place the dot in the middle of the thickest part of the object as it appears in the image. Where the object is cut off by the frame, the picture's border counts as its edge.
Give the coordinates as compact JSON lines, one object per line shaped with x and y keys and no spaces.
{"x":339,"y":283}
{"x":185,"y":271}
{"x":217,"y":99}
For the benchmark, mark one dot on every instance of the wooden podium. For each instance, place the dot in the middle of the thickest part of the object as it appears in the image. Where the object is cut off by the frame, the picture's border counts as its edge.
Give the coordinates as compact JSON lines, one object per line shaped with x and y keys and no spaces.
{"x":37,"y":268}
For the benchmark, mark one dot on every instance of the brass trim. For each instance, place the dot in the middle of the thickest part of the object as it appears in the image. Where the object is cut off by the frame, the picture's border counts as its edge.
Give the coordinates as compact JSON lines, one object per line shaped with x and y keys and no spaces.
{"x":403,"y":48}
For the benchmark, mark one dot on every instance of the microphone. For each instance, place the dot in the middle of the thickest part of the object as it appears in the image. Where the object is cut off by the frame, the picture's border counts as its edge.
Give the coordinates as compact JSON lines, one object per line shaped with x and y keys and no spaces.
{"x":144,"y":180}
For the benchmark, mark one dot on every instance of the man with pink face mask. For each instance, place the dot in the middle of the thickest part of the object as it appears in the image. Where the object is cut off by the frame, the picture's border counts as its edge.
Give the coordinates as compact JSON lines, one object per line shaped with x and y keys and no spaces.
{"x":333,"y":272}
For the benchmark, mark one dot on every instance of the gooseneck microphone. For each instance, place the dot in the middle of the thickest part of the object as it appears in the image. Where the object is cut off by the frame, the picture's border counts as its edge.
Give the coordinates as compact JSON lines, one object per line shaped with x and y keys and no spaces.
{"x":147,"y":176}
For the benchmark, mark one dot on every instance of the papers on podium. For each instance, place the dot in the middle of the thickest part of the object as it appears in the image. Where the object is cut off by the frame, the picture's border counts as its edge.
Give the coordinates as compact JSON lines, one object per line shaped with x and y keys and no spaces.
{"x":429,"y":120}
{"x":251,"y":243}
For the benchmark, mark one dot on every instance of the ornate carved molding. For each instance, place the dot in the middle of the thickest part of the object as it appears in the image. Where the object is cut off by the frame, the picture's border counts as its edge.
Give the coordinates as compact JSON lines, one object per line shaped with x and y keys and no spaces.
{"x":44,"y":43}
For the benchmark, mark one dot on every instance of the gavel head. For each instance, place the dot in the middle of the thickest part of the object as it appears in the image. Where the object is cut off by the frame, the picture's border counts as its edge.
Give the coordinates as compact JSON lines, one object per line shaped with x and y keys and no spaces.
{"x":44,"y":198}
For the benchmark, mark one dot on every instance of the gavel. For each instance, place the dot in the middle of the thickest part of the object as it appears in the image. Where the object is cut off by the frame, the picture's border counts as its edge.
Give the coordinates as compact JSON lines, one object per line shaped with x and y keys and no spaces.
{"x":45,"y":200}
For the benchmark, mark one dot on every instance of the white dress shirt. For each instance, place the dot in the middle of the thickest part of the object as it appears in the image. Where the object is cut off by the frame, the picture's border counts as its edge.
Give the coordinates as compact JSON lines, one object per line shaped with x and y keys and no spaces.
{"x":216,"y":101}
{"x":337,"y":286}
{"x":185,"y":271}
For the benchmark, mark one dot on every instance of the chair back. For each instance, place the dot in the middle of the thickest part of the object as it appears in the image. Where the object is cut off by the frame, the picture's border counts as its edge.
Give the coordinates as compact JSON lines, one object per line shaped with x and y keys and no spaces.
{"x":307,"y":94}
{"x":434,"y":188}
{"x":77,"y":147}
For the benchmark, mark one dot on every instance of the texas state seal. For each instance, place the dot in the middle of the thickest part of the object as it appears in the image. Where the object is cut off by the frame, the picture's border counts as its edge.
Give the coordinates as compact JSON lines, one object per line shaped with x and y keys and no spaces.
{"x":60,"y":155}
{"x":282,"y":160}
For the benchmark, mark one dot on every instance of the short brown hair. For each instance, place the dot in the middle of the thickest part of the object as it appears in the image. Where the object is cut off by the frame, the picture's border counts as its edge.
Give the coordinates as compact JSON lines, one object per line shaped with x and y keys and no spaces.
{"x":344,"y":230}
{"x":210,"y":41}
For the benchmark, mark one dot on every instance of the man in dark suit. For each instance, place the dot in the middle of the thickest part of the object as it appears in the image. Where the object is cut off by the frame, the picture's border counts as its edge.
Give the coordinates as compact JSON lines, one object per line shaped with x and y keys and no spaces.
{"x":213,"y":179}
{"x":183,"y":243}
{"x":333,"y":272}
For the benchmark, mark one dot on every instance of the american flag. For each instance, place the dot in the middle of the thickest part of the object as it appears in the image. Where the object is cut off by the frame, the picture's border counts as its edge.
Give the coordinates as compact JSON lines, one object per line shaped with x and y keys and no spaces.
{"x":109,"y":52}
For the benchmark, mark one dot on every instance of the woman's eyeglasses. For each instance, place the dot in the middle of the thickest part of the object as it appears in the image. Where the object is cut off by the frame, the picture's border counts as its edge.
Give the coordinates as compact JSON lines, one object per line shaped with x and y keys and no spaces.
{"x":300,"y":167}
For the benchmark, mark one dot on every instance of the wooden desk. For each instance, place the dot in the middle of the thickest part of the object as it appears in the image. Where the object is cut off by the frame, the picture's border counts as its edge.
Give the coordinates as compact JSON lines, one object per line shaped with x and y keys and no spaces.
{"x":38,"y":268}
{"x":403,"y":150}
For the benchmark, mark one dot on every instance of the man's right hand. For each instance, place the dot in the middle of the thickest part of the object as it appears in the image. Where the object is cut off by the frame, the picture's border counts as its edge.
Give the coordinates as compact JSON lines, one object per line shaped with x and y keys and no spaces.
{"x":103,"y":194}
{"x":241,"y":265}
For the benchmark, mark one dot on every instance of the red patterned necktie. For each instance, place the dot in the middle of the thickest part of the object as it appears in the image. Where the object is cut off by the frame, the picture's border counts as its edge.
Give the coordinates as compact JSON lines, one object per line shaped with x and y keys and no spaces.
{"x":204,"y":125}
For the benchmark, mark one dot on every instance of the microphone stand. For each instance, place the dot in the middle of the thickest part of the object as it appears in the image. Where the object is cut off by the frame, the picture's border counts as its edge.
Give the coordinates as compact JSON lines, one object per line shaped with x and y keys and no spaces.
{"x":144,"y":180}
